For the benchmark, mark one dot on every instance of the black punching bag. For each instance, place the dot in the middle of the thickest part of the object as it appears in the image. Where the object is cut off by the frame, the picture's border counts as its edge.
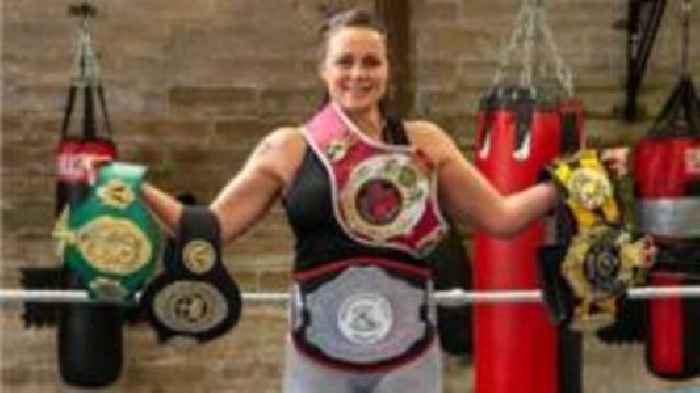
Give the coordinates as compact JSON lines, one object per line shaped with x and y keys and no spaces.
{"x":89,"y":335}
{"x":452,"y":269}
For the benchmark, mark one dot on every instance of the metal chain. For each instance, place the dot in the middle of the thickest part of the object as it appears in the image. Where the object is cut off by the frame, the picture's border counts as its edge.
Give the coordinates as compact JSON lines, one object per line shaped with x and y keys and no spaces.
{"x":533,"y":35}
{"x":526,"y":74}
{"x":77,"y":58}
{"x":564,"y":73}
{"x":92,"y":69}
{"x":686,"y":8}
{"x":506,"y":53}
{"x":88,"y":71}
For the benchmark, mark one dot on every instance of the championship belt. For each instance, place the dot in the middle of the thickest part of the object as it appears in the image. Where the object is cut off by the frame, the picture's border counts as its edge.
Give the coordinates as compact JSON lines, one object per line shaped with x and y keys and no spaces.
{"x":195,"y":298}
{"x":588,"y":189}
{"x":111,"y":239}
{"x":600,"y":265}
{"x":363,"y":313}
{"x":383,"y":195}
{"x":590,"y":269}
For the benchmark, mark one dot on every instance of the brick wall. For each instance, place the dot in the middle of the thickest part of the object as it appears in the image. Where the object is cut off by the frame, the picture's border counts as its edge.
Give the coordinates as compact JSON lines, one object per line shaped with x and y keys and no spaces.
{"x":192,"y":85}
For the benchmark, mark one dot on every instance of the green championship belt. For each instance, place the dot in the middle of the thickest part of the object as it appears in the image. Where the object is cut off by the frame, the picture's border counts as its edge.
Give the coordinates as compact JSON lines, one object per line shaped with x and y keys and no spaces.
{"x":110,"y":239}
{"x":599,"y":258}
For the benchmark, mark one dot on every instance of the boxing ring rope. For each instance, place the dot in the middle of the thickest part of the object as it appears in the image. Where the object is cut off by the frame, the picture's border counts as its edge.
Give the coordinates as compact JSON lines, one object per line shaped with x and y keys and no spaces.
{"x":446,"y":298}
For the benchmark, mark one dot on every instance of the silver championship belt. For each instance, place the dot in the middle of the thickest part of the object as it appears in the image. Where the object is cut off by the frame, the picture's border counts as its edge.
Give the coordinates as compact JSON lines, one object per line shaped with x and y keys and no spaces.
{"x":363,"y":315}
{"x":195,"y":298}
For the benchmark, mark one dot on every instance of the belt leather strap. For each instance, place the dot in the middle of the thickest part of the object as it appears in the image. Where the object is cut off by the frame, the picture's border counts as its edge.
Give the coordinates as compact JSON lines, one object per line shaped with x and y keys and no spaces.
{"x":195,"y":297}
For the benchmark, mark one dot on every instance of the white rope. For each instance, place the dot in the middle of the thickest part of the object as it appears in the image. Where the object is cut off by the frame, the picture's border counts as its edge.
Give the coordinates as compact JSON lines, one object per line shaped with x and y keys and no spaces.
{"x":664,"y":292}
{"x":447,"y":298}
{"x":44,"y":296}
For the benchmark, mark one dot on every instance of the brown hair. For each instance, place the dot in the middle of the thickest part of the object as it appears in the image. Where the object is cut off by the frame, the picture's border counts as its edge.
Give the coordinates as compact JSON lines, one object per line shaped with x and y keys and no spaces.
{"x":355,"y":17}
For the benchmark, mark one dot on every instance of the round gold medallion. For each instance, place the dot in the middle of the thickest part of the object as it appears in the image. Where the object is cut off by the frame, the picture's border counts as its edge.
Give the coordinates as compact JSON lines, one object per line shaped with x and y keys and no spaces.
{"x":199,"y":256}
{"x":113,"y":245}
{"x":600,"y":265}
{"x":190,"y":306}
{"x":590,"y":187}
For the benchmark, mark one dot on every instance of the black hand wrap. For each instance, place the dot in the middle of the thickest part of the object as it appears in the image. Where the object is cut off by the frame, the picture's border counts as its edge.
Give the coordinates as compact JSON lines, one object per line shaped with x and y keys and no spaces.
{"x":195,"y":297}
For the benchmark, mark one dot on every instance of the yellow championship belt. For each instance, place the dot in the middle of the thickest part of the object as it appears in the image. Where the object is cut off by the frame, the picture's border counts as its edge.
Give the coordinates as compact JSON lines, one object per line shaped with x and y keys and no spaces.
{"x":602,"y":258}
{"x":599,"y":266}
{"x":589,"y":190}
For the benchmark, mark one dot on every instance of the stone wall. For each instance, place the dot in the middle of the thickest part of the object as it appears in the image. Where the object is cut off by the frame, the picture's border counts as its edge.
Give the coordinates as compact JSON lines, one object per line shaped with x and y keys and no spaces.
{"x":192,"y":85}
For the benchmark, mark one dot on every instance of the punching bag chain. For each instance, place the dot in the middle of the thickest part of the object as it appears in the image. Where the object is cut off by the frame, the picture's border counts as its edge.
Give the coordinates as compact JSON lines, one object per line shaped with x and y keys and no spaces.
{"x":86,"y":88}
{"x":564,"y":73}
{"x":534,"y":38}
{"x":528,"y":46}
{"x":85,"y":69}
{"x":505,"y":56}
{"x":686,"y":7}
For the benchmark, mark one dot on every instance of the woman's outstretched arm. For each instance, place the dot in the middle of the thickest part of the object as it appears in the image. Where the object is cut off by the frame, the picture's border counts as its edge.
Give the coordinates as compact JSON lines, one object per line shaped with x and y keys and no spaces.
{"x":249,"y":194}
{"x":469,"y":198}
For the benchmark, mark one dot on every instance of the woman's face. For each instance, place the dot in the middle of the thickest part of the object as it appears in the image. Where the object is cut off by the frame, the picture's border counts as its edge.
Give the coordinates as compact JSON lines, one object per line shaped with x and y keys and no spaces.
{"x":355,"y":68}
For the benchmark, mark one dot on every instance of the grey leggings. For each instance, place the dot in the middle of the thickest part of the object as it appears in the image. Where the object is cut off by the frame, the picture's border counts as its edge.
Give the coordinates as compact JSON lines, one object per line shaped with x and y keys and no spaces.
{"x":422,"y":375}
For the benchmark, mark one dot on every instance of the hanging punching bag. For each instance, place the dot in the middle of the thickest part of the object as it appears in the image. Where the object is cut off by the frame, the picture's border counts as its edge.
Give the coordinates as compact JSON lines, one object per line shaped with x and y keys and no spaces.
{"x":667,"y":184}
{"x":521,"y":127}
{"x":667,"y":177}
{"x":452,"y":269}
{"x":89,"y":335}
{"x":517,"y":347}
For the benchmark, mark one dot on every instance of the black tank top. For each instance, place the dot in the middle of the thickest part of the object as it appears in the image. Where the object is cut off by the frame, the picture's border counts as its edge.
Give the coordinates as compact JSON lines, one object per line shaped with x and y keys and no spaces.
{"x":309,"y":206}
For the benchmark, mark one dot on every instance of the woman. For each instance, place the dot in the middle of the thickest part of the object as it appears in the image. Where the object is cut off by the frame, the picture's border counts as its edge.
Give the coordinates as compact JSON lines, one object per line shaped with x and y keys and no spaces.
{"x":365,"y":197}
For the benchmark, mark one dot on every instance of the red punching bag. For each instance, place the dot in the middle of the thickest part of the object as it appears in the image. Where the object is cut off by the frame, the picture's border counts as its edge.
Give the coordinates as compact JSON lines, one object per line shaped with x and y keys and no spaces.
{"x":77,"y":147}
{"x":667,"y":184}
{"x":518,"y":349}
{"x":522,"y":126}
{"x":89,"y":335}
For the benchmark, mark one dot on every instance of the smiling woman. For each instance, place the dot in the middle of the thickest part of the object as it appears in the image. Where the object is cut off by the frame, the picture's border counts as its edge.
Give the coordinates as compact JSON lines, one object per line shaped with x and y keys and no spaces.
{"x":360,"y":190}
